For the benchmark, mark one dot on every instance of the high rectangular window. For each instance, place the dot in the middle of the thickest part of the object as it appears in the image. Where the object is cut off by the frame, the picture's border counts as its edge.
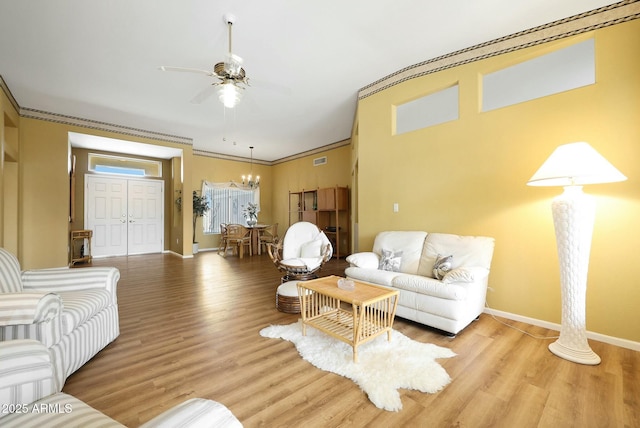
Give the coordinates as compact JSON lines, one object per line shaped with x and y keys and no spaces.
{"x":432,"y":109}
{"x":565,"y":69}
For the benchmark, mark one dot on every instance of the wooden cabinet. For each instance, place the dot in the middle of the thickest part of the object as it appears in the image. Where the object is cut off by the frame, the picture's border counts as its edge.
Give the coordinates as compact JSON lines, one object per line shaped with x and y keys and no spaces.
{"x":333,"y":218}
{"x":328,"y":208}
{"x":302,"y":206}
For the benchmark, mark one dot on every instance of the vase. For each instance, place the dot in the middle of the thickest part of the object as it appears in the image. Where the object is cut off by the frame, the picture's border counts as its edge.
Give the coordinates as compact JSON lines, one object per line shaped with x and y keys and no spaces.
{"x":252,"y":221}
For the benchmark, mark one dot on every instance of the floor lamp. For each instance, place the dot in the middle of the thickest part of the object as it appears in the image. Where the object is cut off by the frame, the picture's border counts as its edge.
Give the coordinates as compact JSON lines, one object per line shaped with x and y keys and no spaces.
{"x":572,"y":166}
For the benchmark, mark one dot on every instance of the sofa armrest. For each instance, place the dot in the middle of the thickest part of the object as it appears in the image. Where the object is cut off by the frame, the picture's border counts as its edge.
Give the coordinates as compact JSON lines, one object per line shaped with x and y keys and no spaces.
{"x":66,"y":279}
{"x":366,"y":260}
{"x":195,"y":412}
{"x":28,"y":308}
{"x":26,"y":374}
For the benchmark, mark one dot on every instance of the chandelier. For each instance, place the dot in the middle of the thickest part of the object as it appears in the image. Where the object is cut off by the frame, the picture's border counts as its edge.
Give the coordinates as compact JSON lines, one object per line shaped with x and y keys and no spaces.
{"x":248,"y":181}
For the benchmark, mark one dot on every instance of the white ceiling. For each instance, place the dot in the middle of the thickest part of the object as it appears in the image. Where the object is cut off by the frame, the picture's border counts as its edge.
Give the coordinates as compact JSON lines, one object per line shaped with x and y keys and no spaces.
{"x":306,"y":60}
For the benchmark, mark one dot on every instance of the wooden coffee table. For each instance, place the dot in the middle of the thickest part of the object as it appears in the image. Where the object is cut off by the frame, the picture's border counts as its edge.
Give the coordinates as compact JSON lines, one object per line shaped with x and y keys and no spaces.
{"x":372,"y":311}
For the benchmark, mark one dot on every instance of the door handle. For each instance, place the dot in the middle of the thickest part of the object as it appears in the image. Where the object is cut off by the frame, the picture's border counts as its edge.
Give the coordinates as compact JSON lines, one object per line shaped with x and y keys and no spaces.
{"x":132,"y":221}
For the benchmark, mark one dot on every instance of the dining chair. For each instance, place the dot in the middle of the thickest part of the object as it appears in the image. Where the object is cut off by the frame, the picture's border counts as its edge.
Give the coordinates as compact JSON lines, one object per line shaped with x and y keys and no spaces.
{"x":268,"y":235}
{"x":238,"y":237}
{"x":222,"y":247}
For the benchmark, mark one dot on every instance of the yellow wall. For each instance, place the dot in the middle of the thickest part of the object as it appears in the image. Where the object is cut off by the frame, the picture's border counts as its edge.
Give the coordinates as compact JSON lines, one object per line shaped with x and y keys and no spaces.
{"x":299,"y":174}
{"x":469,"y":177}
{"x":43,"y":181}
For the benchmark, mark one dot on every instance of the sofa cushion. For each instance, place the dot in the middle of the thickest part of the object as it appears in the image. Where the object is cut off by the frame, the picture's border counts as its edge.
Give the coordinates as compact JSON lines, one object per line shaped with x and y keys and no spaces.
{"x":311,"y":249}
{"x":375,"y":276}
{"x":466,"y":251}
{"x":409,"y":242}
{"x":80,"y":306}
{"x":367,"y":260}
{"x":309,"y":263}
{"x":432,"y":287}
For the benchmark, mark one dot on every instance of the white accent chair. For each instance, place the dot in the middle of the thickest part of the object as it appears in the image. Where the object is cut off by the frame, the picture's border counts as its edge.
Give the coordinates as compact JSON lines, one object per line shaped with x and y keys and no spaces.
{"x":31,"y":398}
{"x":73,"y":312}
{"x":302,"y":252}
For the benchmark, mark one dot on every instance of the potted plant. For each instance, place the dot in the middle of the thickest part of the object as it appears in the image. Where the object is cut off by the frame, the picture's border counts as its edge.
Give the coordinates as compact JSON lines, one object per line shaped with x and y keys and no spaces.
{"x":200,"y":206}
{"x":251,"y":214}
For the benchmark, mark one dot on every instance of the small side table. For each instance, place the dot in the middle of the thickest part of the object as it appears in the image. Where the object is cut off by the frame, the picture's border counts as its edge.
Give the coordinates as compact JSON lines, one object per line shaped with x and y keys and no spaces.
{"x":81,"y":251}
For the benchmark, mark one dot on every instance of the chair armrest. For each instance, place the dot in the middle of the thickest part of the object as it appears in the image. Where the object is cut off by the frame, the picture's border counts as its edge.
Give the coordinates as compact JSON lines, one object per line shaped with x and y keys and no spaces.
{"x":26,"y":374}
{"x":195,"y":412}
{"x":66,"y":279}
{"x":28,"y":308}
{"x":275,"y":252}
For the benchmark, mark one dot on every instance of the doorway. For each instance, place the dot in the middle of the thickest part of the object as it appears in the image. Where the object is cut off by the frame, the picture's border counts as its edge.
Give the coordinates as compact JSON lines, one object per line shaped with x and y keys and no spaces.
{"x":125,"y":214}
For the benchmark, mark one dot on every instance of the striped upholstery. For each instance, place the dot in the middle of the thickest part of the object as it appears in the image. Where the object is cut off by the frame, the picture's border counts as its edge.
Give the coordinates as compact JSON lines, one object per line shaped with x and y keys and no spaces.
{"x":196,"y":412}
{"x":65,"y":279}
{"x":29,"y":308}
{"x":88,"y":339}
{"x":73,"y":312}
{"x":26,"y":373}
{"x":10,"y":280}
{"x":80,"y":306}
{"x":59,"y":410}
{"x":30,"y":398}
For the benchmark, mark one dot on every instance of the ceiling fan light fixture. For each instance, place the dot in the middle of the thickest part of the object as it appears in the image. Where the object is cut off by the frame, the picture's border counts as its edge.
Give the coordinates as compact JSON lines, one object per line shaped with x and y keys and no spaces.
{"x":229,"y":94}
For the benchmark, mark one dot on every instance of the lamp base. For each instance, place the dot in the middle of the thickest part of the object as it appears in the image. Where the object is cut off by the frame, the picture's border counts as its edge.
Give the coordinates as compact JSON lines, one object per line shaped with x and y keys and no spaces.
{"x":580,"y":356}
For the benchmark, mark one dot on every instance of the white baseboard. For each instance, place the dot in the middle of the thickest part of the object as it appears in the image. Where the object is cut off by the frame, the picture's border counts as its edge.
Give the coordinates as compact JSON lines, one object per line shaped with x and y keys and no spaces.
{"x":623,"y":343}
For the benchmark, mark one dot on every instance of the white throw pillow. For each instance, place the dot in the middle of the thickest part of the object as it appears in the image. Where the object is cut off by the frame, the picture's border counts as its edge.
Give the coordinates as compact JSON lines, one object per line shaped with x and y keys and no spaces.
{"x":311,"y":249}
{"x":465,"y":274}
{"x":366,"y":260}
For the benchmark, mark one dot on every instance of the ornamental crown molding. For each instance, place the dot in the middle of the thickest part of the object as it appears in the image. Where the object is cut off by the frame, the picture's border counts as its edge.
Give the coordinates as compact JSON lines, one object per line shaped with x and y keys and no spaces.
{"x":588,"y":21}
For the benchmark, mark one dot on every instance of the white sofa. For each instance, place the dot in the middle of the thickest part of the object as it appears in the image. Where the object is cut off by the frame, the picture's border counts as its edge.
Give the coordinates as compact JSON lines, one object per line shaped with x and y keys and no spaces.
{"x":30,"y":398}
{"x":73,"y":312}
{"x":405,"y":260}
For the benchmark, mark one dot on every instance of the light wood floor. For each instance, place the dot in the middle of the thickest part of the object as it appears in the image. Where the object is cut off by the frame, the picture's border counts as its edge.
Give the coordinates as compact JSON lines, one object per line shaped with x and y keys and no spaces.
{"x":189,"y":328}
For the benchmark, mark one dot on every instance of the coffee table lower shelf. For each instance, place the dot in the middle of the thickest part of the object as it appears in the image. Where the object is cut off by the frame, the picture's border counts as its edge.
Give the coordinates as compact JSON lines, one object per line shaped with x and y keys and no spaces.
{"x":372,"y":311}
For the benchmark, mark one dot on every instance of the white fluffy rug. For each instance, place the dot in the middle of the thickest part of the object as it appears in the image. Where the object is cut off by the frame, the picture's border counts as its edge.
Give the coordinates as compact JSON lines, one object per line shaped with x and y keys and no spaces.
{"x":382,"y":368}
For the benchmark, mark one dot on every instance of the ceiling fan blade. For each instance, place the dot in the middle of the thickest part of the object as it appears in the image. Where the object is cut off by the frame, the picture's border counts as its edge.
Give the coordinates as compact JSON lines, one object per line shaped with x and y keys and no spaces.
{"x":204,"y":94}
{"x":187,"y":70}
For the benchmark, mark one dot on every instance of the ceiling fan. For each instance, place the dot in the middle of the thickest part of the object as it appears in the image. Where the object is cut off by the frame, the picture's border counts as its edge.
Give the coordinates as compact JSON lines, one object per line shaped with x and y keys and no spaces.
{"x":232,"y":79}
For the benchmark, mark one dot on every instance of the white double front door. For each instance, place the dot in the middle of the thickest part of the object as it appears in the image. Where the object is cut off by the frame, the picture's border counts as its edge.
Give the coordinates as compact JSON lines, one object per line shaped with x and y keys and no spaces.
{"x":126,"y":215}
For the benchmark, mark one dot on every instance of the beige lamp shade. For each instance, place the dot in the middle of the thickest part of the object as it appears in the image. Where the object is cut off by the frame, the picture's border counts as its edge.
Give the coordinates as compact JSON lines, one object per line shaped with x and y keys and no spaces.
{"x":575,"y":164}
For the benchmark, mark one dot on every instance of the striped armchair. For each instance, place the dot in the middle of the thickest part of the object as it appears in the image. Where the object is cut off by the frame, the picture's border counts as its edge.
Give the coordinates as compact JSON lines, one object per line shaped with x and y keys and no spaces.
{"x":30,"y":397}
{"x":73,"y":312}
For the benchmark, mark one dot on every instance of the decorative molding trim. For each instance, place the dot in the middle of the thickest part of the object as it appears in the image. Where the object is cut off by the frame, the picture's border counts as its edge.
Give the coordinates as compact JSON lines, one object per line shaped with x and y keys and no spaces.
{"x":7,"y":92}
{"x":197,"y":152}
{"x":315,"y":151}
{"x":205,"y":153}
{"x":102,"y":126}
{"x":588,"y":21}
{"x":623,"y":343}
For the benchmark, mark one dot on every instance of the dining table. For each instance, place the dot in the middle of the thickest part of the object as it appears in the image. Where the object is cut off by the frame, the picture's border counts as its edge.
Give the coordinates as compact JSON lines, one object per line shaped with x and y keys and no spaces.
{"x":255,"y":236}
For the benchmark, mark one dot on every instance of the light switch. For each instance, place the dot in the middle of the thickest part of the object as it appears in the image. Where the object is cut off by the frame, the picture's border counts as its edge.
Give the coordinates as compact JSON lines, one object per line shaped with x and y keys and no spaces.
{"x":396,"y":208}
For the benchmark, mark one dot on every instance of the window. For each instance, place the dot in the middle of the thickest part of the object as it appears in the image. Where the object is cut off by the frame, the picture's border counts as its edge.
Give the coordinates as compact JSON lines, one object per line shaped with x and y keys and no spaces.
{"x":433,"y":109}
{"x":565,"y":69}
{"x":108,"y":164}
{"x":227,"y":204}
